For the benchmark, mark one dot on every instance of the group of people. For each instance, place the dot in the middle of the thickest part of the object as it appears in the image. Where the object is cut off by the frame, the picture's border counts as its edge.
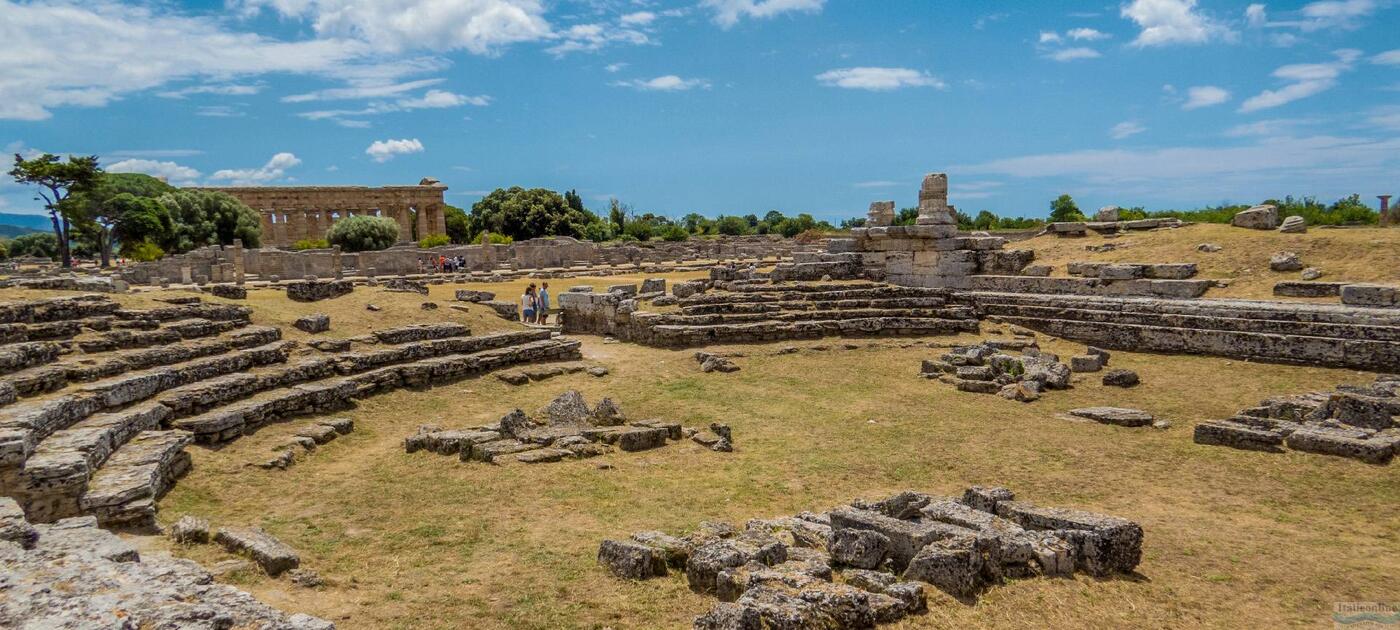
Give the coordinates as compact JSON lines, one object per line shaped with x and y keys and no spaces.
{"x":442,"y":264}
{"x":534,"y":304}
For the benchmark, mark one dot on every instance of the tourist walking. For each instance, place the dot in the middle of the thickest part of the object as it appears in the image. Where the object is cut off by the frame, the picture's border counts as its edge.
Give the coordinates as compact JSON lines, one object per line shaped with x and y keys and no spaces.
{"x":527,"y":305}
{"x":543,"y":300}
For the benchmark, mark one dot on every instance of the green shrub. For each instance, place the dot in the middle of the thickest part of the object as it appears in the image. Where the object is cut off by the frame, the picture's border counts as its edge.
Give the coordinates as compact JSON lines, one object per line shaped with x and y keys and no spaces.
{"x":640,"y":230}
{"x":144,"y":251}
{"x":434,"y":240}
{"x":39,"y":244}
{"x":4,"y":250}
{"x":311,"y":243}
{"x":627,"y":238}
{"x":363,"y":233}
{"x":499,"y":239}
{"x":675,"y":234}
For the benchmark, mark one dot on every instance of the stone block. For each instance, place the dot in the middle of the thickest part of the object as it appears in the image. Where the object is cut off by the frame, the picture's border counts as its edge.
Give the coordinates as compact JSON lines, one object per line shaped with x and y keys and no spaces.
{"x":271,"y":554}
{"x":1263,"y":217}
{"x":631,"y":560}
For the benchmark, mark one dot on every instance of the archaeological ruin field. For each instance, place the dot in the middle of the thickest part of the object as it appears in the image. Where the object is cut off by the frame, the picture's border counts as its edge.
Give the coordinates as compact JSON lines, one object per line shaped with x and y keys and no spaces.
{"x":894,"y":427}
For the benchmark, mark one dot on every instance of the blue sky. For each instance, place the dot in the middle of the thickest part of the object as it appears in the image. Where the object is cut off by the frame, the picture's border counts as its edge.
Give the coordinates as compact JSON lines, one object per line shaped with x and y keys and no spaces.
{"x":721,"y":106}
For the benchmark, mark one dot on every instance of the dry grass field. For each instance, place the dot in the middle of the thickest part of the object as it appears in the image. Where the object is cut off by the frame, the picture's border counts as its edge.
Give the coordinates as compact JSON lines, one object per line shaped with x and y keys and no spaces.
{"x":1352,"y":254}
{"x":425,"y":541}
{"x":1233,"y":538}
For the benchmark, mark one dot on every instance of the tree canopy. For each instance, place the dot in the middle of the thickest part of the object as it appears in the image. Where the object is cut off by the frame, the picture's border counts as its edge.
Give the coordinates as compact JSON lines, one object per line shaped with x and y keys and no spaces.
{"x":363,"y":233}
{"x":524,"y":214}
{"x":203,"y":217}
{"x":1063,"y":208}
{"x":56,"y":180}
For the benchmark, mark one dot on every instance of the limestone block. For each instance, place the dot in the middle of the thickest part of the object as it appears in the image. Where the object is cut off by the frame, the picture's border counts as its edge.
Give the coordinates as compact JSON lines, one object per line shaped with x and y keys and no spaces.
{"x":1263,"y":217}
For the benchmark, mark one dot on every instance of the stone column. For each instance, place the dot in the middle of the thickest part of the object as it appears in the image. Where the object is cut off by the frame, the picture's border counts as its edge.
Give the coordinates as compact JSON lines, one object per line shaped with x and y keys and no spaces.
{"x":336,"y":263}
{"x":439,"y":219}
{"x":881,"y":214}
{"x":933,"y":207}
{"x":405,"y":219}
{"x":237,"y":248}
{"x":422,"y":221}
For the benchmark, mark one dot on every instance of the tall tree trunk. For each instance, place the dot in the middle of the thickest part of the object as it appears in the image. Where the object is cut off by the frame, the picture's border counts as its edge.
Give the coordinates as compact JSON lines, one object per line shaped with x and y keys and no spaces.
{"x":104,"y":243}
{"x":58,"y":234}
{"x":63,"y":246}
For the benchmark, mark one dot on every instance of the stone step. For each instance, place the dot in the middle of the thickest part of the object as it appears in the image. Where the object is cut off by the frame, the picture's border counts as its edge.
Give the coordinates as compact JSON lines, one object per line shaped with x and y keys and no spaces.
{"x":770,"y":293}
{"x":123,"y":492}
{"x":165,"y":334}
{"x":30,"y":422}
{"x":1199,"y":322}
{"x":82,"y":368}
{"x":684,"y":336}
{"x":772,"y":307}
{"x":57,"y":309}
{"x":1248,"y":309}
{"x":959,"y":312}
{"x":57,"y":474}
{"x":229,"y":421}
{"x":1090,"y":286}
{"x":1272,"y":347}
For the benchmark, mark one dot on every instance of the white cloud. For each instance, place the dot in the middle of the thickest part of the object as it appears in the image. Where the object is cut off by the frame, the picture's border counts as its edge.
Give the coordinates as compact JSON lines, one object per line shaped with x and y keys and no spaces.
{"x":218,"y":111}
{"x":227,"y":89}
{"x":1166,"y":22}
{"x":1267,"y":128}
{"x":1284,"y":40}
{"x":640,"y":18}
{"x":593,"y":37}
{"x":1255,"y":15}
{"x":274,"y":169}
{"x":176,"y":174}
{"x":1387,"y":117}
{"x":1050,"y":37}
{"x":1267,"y":167}
{"x":437,"y":99}
{"x":727,"y":13}
{"x":1387,"y":58}
{"x":1087,"y":34}
{"x":1205,"y":96}
{"x":665,"y":83}
{"x":1304,"y":80}
{"x":1072,"y":54}
{"x":481,"y":27}
{"x":1125,"y":129}
{"x":878,"y":79}
{"x":60,"y":53}
{"x":363,"y":90}
{"x":877,"y":183}
{"x":615,"y":67}
{"x":385,"y":150}
{"x":1343,"y":14}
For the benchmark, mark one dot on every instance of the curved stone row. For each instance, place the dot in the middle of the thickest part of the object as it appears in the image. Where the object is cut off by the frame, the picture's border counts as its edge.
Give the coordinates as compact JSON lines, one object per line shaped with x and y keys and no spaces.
{"x":760,"y":311}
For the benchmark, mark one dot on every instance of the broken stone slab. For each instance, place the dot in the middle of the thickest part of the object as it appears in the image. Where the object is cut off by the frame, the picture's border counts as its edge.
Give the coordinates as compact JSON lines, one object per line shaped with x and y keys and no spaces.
{"x":331,"y":345}
{"x":1372,"y":450}
{"x":543,"y":456}
{"x":631,"y":560}
{"x":468,"y":295}
{"x":1285,"y":261}
{"x":712,"y":556}
{"x":1121,"y":378}
{"x":321,"y":433}
{"x":859,"y":548}
{"x":953,"y":565}
{"x":1237,"y":435}
{"x":715,"y":363}
{"x":342,"y":426}
{"x":567,"y":408}
{"x":1261,"y":217}
{"x":906,"y":537}
{"x":1293,"y":225}
{"x":190,"y":530}
{"x":1108,"y":543}
{"x":1119,"y":416}
{"x":675,"y":550}
{"x":1085,"y":363}
{"x":314,"y":323}
{"x":13,"y":526}
{"x":489,"y":452}
{"x":271,"y":554}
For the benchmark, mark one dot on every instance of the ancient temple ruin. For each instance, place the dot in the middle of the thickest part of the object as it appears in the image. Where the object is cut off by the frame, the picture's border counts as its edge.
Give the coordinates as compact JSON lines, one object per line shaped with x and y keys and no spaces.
{"x":293,"y":213}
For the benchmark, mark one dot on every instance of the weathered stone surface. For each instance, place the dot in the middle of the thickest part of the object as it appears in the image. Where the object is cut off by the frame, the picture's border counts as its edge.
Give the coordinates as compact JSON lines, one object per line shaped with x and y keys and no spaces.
{"x":314,"y":323}
{"x":271,"y":554}
{"x":1263,"y":217}
{"x":859,"y":548}
{"x":229,"y":291}
{"x":1378,"y":295}
{"x":953,"y":564}
{"x":632,"y":560}
{"x":190,"y":530}
{"x":1085,"y":363}
{"x":106,"y":584}
{"x":1121,"y":378}
{"x":1114,"y":415}
{"x":1108,"y":544}
{"x":1293,"y":225}
{"x":567,"y":408}
{"x":314,"y":291}
{"x":468,"y":295}
{"x":1285,"y":261}
{"x":13,"y":526}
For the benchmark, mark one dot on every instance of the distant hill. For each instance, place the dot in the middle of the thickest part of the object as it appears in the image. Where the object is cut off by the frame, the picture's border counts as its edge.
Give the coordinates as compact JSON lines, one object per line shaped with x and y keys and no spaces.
{"x":36,"y":222}
{"x":11,"y":231}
